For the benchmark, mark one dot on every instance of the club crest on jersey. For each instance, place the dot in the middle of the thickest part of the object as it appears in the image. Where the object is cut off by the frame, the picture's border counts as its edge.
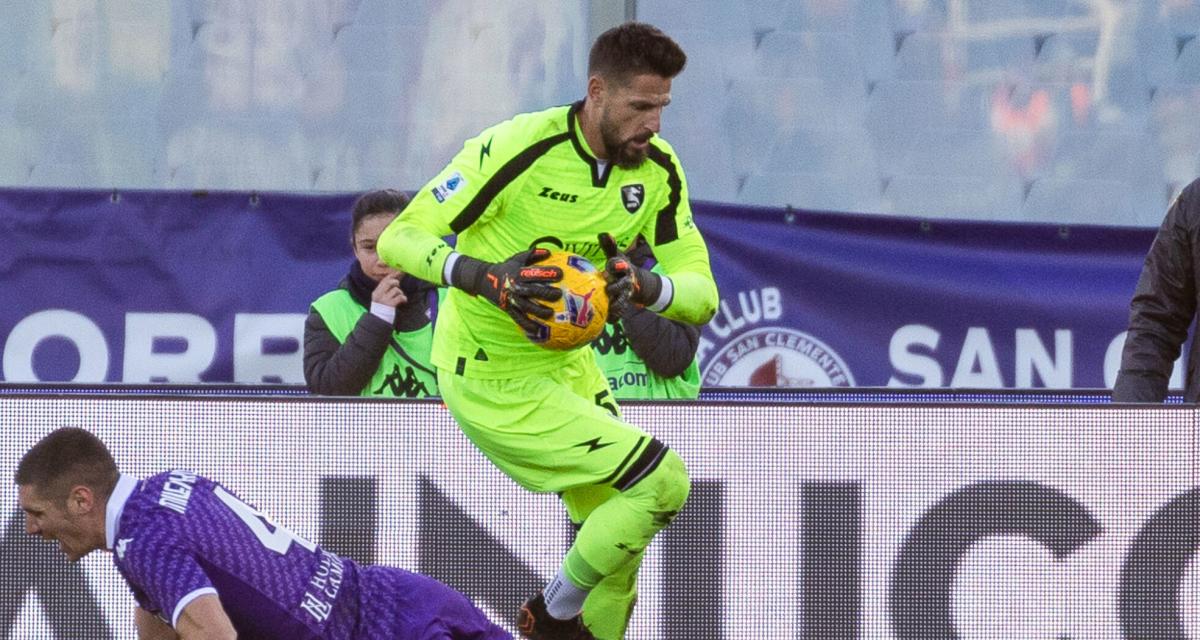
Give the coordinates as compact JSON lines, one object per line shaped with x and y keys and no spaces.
{"x":632,"y":196}
{"x":443,"y":191}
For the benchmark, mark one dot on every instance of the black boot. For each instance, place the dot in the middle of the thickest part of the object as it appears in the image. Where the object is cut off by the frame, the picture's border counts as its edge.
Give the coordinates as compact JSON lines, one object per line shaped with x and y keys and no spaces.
{"x":533,"y":621}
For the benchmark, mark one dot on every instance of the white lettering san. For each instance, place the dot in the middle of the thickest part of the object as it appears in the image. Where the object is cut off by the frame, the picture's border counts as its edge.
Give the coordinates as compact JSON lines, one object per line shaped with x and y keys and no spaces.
{"x":977,"y":365}
{"x":741,"y":348}
{"x":142,"y":364}
{"x":904,"y":359}
{"x":913,"y":347}
{"x":1054,"y":370}
{"x":76,"y":328}
{"x":753,"y":307}
{"x":715,"y":373}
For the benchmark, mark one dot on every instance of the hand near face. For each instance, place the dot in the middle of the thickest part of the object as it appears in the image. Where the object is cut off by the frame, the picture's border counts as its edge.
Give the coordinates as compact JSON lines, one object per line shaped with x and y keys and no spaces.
{"x":388,"y":292}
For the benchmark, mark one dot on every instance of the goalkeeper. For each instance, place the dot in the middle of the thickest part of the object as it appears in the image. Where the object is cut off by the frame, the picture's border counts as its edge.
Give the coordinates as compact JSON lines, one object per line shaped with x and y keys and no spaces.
{"x":588,"y":178}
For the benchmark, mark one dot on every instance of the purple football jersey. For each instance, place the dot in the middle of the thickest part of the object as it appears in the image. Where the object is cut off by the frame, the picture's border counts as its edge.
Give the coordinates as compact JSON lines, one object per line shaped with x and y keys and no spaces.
{"x":179,"y":536}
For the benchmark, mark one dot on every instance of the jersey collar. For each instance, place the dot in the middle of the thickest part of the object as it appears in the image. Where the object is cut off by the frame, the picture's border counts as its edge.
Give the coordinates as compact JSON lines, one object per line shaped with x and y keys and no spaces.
{"x":599,"y":175}
{"x":116,"y":506}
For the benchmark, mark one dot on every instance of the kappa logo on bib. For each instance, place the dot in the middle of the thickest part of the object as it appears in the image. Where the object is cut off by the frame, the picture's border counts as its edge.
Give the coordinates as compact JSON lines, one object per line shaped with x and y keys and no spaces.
{"x":777,"y":357}
{"x":632,"y":196}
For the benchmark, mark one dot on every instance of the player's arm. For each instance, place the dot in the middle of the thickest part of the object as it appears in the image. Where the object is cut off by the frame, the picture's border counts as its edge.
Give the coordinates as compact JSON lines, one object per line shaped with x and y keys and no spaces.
{"x":466,"y":191}
{"x":666,"y":346}
{"x":152,"y":627}
{"x":204,"y":619}
{"x":165,"y":578}
{"x":685,"y":264}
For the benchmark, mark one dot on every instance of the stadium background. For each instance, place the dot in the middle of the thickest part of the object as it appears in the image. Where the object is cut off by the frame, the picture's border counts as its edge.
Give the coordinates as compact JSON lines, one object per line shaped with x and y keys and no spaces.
{"x":938,"y":193}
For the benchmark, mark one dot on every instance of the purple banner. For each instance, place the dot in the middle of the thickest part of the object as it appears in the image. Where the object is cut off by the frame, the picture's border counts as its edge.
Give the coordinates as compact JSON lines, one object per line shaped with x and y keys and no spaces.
{"x":149,"y":286}
{"x":822,"y":299}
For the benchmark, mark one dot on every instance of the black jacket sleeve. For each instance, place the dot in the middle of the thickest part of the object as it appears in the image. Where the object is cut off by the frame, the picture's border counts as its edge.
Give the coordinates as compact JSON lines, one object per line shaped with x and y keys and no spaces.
{"x":335,"y":369}
{"x":1163,"y":305}
{"x":666,"y":346}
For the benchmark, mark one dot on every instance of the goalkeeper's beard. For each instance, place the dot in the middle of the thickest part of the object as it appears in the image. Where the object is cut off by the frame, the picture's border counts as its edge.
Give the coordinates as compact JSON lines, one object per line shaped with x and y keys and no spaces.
{"x":620,"y":151}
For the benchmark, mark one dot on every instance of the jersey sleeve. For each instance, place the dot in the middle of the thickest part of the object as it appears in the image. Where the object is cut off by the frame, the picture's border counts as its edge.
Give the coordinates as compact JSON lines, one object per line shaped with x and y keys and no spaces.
{"x":681,"y":251}
{"x":164,"y":577}
{"x":468,"y":190}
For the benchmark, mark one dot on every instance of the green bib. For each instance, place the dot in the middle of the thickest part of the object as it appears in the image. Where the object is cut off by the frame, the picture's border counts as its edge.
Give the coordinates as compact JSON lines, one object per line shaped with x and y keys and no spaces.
{"x":405,"y":371}
{"x":630,"y":379}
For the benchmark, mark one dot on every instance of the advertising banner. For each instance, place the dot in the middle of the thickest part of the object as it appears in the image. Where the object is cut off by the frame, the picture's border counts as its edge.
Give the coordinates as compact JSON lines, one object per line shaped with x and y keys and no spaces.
{"x":814,"y":522}
{"x":828,"y":300}
{"x":214,"y":287}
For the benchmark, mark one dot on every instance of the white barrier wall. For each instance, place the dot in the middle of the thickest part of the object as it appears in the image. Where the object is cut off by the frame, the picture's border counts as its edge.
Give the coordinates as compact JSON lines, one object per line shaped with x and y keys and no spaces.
{"x":806,"y":521}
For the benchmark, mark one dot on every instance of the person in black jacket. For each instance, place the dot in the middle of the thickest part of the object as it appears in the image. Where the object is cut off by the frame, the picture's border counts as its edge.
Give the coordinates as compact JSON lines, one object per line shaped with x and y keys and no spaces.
{"x":646,"y":356}
{"x":372,"y":335}
{"x":1163,"y":308}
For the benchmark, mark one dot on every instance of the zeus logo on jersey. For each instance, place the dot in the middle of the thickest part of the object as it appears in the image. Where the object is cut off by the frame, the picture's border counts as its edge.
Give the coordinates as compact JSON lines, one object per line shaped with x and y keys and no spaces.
{"x":443,"y":191}
{"x":177,"y":490}
{"x":549,"y":192}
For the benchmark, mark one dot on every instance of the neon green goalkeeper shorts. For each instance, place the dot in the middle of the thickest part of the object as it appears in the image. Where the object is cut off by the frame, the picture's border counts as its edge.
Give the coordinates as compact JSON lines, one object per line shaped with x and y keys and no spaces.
{"x":552,"y":431}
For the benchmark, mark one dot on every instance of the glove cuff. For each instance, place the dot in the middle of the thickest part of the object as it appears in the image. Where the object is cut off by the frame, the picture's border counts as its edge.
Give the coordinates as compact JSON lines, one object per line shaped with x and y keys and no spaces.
{"x":650,"y":290}
{"x":468,"y":274}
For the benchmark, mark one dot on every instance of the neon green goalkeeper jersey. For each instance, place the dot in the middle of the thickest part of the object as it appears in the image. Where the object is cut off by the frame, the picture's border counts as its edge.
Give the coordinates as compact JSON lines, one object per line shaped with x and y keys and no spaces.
{"x":533,"y":181}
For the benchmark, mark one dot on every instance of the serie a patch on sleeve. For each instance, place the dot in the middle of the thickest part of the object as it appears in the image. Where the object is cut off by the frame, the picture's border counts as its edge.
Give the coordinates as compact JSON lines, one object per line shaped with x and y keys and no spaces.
{"x":452,"y":185}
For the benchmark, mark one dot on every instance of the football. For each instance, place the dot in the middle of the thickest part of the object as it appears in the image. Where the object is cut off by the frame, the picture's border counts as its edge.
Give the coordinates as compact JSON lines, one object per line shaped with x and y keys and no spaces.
{"x":580,"y":314}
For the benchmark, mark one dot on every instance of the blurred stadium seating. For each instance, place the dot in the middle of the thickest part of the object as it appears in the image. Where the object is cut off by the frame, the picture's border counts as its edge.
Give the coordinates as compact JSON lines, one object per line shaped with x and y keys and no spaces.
{"x":877,"y":106}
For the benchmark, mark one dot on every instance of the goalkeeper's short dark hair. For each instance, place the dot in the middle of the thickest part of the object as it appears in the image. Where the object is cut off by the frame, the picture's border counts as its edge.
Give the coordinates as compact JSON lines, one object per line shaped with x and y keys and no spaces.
{"x":378,"y":201}
{"x":65,"y":458}
{"x":634,"y":48}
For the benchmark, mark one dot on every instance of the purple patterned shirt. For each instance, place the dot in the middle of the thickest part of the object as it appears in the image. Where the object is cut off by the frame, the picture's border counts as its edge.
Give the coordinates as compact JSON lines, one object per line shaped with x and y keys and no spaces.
{"x":176,"y":536}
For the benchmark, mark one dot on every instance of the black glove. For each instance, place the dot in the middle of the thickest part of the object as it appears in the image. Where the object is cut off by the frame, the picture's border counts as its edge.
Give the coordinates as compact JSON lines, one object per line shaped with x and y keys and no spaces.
{"x":628,"y":284}
{"x":516,"y":285}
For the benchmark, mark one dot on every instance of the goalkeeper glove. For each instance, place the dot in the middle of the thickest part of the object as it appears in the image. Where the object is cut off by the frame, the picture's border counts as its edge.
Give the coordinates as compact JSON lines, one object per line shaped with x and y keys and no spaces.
{"x":516,"y":285}
{"x":628,"y":284}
